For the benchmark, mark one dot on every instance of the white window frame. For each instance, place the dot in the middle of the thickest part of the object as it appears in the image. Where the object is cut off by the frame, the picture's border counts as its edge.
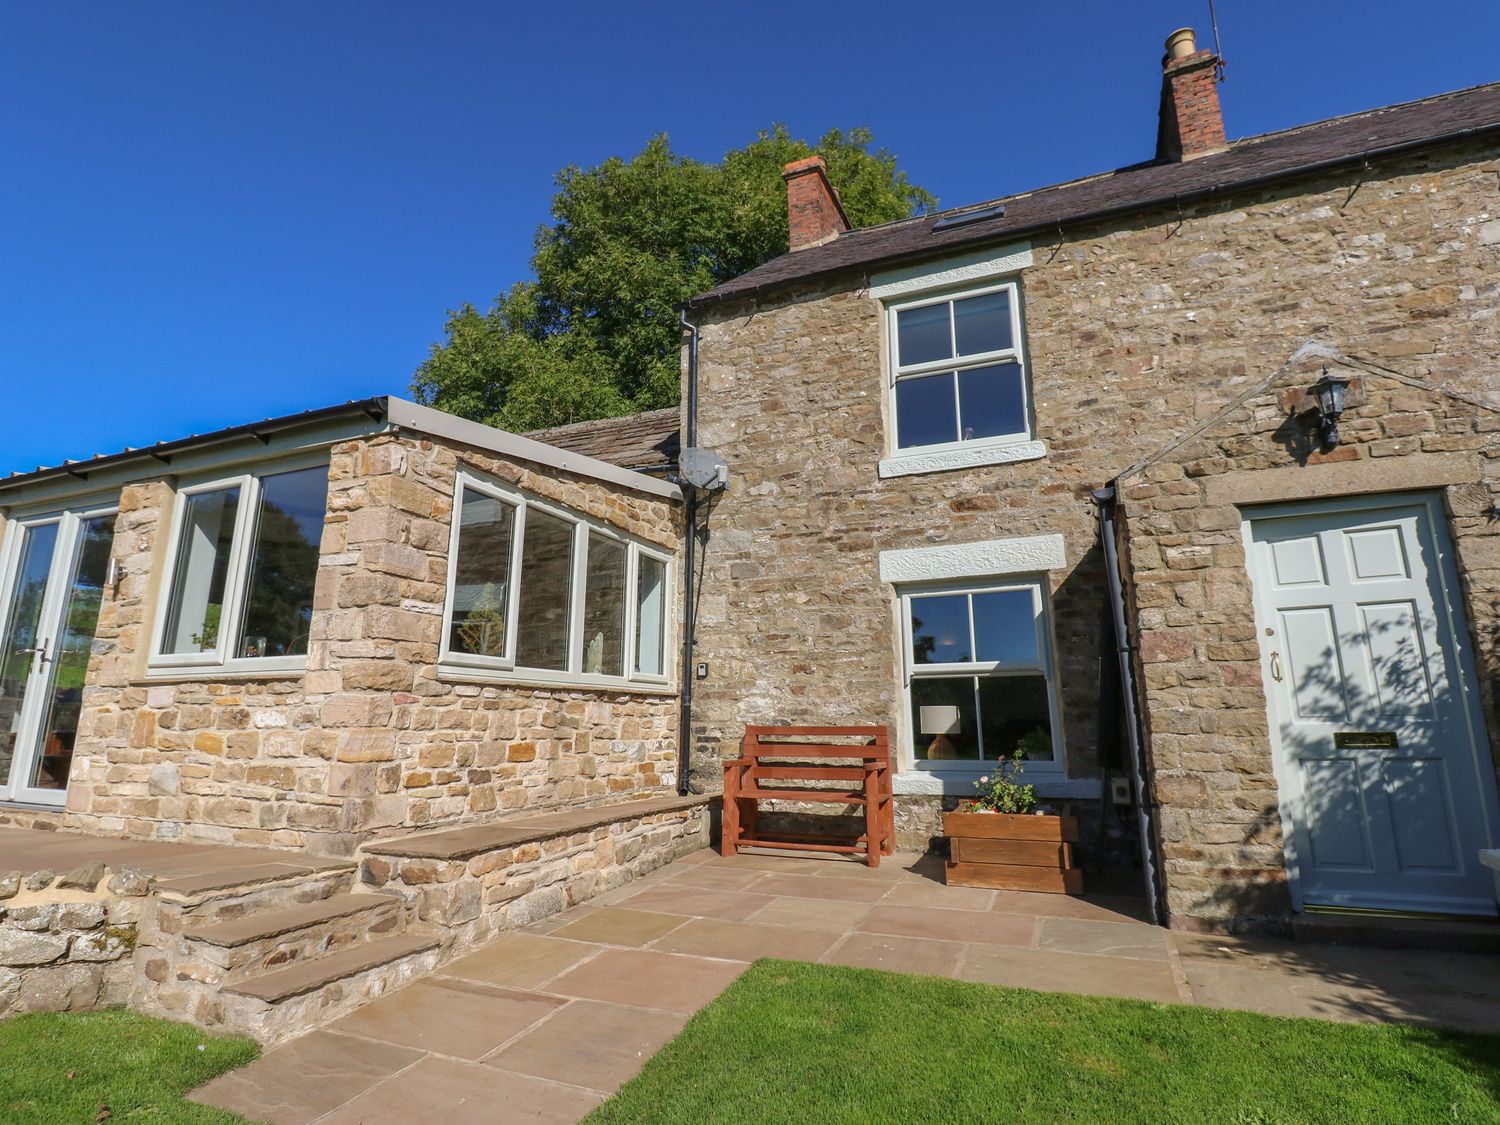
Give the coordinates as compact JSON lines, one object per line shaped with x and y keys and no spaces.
{"x":504,"y":667}
{"x":236,"y":577}
{"x":1045,"y":665}
{"x":899,"y":372}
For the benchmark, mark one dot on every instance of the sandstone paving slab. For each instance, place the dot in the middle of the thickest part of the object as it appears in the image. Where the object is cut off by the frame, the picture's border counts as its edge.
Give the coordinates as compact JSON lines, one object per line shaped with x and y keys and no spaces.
{"x":921,"y":892}
{"x":1098,"y":909}
{"x":455,"y":1092}
{"x":299,"y":1082}
{"x":834,"y":917}
{"x":898,"y":954}
{"x":1084,"y":974}
{"x":804,"y":886}
{"x":616,"y":925}
{"x":746,"y":941}
{"x":448,"y":1016}
{"x":520,"y":960}
{"x":588,"y":1043}
{"x":1279,"y":992}
{"x":701,"y":902}
{"x":950,"y":925}
{"x":1114,"y":939}
{"x":644,"y":978}
{"x":716,"y":878}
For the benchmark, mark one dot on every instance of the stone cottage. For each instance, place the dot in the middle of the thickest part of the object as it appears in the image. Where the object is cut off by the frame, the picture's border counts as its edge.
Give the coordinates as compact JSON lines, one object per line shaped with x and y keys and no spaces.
{"x":928,"y":422}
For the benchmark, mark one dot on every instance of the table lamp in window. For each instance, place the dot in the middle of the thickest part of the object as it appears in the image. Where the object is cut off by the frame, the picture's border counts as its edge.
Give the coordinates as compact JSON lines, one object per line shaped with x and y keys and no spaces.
{"x":940,"y":722}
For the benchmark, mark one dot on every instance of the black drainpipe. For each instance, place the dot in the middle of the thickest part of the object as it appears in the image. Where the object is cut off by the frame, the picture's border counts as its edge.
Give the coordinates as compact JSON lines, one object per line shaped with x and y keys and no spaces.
{"x":1107,"y":498}
{"x":689,"y":441}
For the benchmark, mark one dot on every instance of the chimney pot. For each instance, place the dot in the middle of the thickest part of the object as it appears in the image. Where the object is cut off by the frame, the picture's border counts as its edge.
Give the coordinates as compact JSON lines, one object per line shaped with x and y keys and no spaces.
{"x":1182,"y":43}
{"x":814,"y":213}
{"x":1190,"y":122}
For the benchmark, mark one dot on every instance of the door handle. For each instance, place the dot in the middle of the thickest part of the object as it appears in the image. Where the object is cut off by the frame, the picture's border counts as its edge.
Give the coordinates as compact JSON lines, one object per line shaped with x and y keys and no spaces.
{"x":39,"y":651}
{"x":1276,"y":666}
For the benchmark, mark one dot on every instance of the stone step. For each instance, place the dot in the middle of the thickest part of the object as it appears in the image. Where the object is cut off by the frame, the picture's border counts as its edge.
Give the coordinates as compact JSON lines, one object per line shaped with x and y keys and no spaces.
{"x":277,"y":923}
{"x":233,"y":950}
{"x":209,"y":905}
{"x":309,"y":976}
{"x":1441,"y":934}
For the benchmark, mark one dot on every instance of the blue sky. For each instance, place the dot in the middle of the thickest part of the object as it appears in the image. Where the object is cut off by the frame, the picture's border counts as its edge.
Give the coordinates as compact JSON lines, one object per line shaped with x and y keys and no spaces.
{"x":214,"y":213}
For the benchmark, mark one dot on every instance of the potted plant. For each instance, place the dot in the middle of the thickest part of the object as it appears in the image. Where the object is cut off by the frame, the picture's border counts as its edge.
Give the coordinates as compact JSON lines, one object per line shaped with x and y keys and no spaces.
{"x":1001,"y":840}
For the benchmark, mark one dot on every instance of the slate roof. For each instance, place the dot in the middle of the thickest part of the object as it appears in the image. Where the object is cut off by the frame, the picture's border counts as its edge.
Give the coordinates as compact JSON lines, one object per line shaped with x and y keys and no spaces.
{"x":1247,"y":162}
{"x":637,"y":441}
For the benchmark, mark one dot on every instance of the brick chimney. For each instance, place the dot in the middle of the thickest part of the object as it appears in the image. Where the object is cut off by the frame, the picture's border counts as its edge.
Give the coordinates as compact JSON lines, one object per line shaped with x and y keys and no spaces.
{"x":1191,"y":123}
{"x":813,"y":210}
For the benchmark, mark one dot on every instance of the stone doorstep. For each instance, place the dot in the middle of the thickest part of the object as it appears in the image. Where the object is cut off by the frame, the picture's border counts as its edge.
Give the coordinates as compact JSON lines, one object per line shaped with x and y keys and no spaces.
{"x":465,"y":843}
{"x":311,"y":975}
{"x":259,"y":925}
{"x":1445,"y":935}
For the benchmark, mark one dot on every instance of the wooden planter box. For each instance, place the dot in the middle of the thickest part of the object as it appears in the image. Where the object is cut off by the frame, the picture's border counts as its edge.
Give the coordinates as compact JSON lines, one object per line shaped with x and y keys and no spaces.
{"x":1000,"y":851}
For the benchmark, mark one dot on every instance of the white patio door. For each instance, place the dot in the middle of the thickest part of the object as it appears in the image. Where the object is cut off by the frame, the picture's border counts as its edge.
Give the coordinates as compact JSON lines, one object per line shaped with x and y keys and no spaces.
{"x":53,"y":570}
{"x":1386,"y":784}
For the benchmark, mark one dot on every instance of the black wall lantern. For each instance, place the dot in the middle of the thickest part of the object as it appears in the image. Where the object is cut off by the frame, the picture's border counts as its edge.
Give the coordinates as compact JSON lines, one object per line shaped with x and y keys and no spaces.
{"x":1329,"y":393}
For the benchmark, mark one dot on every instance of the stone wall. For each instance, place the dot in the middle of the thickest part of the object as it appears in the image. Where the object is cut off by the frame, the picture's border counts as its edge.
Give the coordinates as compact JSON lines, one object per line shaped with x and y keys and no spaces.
{"x":1200,"y":663}
{"x":475,"y":898}
{"x":66,"y":941}
{"x":371,"y":737}
{"x":1137,"y":330}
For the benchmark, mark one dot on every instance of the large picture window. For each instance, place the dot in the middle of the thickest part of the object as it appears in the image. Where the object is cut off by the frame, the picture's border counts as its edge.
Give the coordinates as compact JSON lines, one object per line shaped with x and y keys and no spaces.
{"x":588,"y":603}
{"x":958,"y":374}
{"x":244,"y":561}
{"x":979,"y":671}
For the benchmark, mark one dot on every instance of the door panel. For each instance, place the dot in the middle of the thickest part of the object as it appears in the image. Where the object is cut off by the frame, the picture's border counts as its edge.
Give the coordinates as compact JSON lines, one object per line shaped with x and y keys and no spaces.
{"x":1338,"y":832}
{"x":1387,"y":790}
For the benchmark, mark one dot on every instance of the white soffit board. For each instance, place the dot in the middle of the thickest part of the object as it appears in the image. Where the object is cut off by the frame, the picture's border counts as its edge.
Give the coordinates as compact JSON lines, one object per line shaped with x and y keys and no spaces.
{"x":973,"y":560}
{"x":424,"y":419}
{"x":978,"y":266}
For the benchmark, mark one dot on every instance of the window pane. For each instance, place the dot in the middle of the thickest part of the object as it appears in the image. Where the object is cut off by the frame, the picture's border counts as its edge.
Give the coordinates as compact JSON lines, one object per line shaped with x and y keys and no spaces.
{"x":923,"y":335}
{"x":22,"y":617}
{"x":651,"y":618}
{"x":925,"y":411}
{"x":198,"y":577}
{"x":942,"y":718}
{"x":1005,"y":626}
{"x":982,"y":324}
{"x":481,"y":578}
{"x":992,"y":401}
{"x":940,"y":629}
{"x":284,"y":563}
{"x":1017,"y":718}
{"x":604,"y":607}
{"x":71,"y":650}
{"x":546,"y":591}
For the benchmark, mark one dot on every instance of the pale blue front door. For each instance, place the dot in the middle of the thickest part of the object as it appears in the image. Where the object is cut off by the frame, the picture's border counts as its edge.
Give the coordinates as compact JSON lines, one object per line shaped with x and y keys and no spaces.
{"x":1387,"y":790}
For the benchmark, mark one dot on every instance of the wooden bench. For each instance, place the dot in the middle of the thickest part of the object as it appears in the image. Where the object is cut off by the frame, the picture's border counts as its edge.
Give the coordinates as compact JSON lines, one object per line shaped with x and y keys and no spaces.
{"x":774,"y":755}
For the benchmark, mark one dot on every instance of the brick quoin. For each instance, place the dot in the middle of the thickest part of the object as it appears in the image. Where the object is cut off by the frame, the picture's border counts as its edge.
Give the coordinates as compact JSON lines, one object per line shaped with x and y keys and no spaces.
{"x":814,"y":213}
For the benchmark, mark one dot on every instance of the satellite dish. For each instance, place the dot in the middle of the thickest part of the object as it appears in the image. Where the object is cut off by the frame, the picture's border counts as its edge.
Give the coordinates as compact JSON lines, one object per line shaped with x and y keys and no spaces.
{"x":703,"y":468}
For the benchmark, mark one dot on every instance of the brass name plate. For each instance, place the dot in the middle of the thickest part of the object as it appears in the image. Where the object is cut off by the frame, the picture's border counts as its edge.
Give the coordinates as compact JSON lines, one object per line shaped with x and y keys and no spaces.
{"x":1366,"y":740}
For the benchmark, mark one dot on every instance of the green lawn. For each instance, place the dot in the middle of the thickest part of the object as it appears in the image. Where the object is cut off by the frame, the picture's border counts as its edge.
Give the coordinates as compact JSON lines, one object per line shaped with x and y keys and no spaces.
{"x":58,"y":1069}
{"x":790,"y":1042}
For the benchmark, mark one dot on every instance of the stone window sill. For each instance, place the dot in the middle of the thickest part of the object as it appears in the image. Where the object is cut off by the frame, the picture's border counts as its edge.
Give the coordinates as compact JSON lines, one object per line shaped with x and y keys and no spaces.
{"x":961,"y":783}
{"x":946,"y":460}
{"x":450,"y":674}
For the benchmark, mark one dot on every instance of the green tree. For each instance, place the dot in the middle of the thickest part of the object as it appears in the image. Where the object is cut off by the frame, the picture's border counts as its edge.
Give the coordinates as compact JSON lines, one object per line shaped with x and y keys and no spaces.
{"x":595,"y":333}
